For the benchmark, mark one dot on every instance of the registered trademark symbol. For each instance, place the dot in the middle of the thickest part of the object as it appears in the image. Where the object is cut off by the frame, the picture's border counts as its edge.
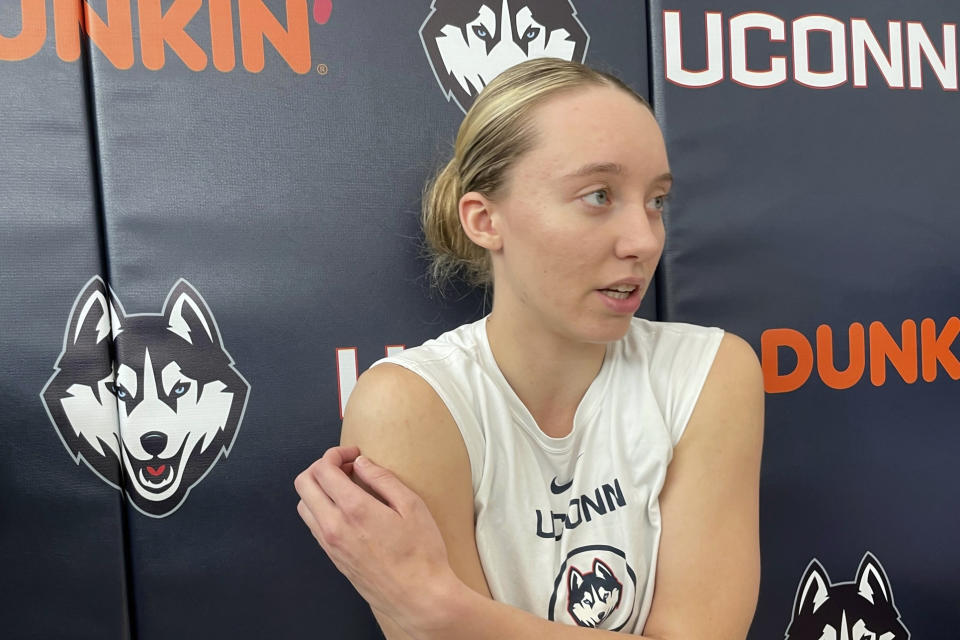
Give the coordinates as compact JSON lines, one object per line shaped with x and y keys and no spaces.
{"x":322,"y":69}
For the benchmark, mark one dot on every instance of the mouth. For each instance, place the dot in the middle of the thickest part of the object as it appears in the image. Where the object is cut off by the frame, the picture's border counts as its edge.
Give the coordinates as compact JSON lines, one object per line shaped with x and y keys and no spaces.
{"x":620,"y":292}
{"x":156,"y":474}
{"x":622,"y":298}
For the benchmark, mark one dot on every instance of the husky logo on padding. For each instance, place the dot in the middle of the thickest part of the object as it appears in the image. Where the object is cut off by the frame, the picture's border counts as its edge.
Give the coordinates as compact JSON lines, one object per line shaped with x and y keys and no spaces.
{"x":858,"y":610}
{"x":593,"y":596}
{"x":150,"y":401}
{"x":469,"y":42}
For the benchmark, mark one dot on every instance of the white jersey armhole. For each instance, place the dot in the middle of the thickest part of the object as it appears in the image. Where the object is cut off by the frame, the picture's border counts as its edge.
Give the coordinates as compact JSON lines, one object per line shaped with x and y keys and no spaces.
{"x":691,"y":379}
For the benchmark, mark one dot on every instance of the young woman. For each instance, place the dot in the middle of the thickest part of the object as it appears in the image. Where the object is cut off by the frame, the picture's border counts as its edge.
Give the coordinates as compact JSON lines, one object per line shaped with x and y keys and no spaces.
{"x":559,"y":464}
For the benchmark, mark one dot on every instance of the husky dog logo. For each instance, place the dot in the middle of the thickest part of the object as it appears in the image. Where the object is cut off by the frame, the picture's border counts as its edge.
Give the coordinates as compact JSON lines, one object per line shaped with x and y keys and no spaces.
{"x":470,"y":42}
{"x":149,"y":401}
{"x":595,"y":586}
{"x":592,"y":597}
{"x":858,"y":610}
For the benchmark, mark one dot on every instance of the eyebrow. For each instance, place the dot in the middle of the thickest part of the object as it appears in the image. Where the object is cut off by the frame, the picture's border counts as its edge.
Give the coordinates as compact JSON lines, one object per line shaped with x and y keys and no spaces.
{"x":594,"y":168}
{"x":610,"y":167}
{"x":664,"y":177}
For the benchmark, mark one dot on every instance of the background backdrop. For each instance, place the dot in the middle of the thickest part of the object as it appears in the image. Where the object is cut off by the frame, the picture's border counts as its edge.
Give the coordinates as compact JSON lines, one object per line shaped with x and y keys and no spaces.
{"x":271,"y":154}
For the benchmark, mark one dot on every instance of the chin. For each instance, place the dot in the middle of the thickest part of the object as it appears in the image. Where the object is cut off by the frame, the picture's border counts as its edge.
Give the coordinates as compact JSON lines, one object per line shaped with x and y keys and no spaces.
{"x":606,"y":330}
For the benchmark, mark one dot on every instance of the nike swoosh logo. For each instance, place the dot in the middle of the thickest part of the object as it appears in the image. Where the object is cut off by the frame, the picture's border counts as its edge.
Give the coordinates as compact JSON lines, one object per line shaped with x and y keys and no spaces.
{"x":557,"y":489}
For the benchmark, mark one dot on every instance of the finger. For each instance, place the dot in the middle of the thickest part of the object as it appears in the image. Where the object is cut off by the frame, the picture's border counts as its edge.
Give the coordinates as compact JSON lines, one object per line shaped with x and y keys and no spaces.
{"x":307,"y":516}
{"x":313,"y":496}
{"x":340,"y":455}
{"x":383,"y":483}
{"x":346,"y":467}
{"x":348,"y":497}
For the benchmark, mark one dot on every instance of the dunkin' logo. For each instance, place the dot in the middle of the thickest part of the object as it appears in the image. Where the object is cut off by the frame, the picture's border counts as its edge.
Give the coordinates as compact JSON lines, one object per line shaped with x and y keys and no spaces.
{"x":161,"y":27}
{"x":878,"y":353}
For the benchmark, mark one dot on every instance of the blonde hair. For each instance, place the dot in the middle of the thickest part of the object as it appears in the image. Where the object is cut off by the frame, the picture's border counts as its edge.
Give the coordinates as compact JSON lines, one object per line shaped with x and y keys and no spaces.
{"x":496,"y":131}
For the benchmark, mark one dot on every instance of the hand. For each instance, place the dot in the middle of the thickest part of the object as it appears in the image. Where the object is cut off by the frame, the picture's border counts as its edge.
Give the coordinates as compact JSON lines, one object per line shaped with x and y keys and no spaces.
{"x":387,"y":544}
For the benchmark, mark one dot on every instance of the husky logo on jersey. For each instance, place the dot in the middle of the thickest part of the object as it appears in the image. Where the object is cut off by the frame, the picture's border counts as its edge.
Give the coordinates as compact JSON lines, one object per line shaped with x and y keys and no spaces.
{"x":595,"y":587}
{"x":592,"y":596}
{"x":858,"y":610}
{"x":149,"y":401}
{"x":470,"y":42}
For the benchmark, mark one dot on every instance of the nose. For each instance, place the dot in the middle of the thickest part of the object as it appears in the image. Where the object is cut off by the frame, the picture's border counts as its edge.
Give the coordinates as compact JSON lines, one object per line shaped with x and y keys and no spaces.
{"x":506,"y":17}
{"x":153,"y":442}
{"x":639,"y":234}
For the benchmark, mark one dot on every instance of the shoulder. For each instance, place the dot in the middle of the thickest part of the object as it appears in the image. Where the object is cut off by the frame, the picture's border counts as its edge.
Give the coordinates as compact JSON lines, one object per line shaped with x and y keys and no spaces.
{"x":674,"y":359}
{"x":391,"y":403}
{"x":417,"y":407}
{"x":732,"y":398}
{"x":735,"y":369}
{"x":670,"y":344}
{"x":656,"y":333}
{"x":461,"y":342}
{"x":416,"y":388}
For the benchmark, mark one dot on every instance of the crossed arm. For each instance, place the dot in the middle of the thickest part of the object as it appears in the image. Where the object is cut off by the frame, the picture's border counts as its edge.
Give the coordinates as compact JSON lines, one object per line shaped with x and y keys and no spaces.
{"x":412,"y":554}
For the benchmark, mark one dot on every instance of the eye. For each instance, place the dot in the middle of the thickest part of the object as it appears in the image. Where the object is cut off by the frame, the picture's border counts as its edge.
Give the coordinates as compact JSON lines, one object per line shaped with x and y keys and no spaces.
{"x":659,"y":202}
{"x":118,"y":390}
{"x":481,"y":32}
{"x":531,"y":34}
{"x":179,"y":389}
{"x":602,"y":198}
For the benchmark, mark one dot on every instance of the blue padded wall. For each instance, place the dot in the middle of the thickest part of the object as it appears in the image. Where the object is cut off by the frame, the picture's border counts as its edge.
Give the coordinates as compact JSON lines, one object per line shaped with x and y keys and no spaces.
{"x":249,"y":172}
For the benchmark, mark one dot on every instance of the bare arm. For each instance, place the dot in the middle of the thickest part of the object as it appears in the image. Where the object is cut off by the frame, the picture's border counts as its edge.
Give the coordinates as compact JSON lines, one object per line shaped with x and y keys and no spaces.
{"x":708,"y":572}
{"x":398,"y":421}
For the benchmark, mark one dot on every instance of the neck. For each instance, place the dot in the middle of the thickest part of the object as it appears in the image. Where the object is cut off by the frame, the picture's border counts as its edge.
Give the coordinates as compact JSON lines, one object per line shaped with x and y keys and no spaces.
{"x":550,"y":373}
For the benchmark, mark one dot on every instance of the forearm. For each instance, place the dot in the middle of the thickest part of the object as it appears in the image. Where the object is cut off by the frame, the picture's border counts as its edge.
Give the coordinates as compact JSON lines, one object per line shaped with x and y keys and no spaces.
{"x":463,"y":614}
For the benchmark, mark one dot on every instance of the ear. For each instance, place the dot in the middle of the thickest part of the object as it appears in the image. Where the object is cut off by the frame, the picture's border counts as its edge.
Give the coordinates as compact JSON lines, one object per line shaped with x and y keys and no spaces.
{"x":93,"y":317}
{"x":872,"y":581}
{"x":601,"y":570}
{"x":813,"y":591}
{"x":187,"y":315}
{"x":574,"y":579}
{"x":478,"y":220}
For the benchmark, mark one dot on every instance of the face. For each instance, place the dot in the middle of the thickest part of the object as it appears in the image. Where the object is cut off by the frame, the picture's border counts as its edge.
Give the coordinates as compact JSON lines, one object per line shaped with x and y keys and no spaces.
{"x":580,"y":218}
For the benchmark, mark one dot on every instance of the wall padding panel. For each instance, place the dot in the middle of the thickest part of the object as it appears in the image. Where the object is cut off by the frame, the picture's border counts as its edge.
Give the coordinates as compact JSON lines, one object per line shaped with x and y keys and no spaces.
{"x":61,"y":526}
{"x":816,"y":223}
{"x":245,"y":178}
{"x":261,"y":166}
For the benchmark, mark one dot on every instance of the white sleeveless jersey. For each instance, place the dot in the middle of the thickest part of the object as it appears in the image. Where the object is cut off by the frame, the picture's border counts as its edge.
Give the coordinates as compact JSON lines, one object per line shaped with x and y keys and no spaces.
{"x":568,"y":528}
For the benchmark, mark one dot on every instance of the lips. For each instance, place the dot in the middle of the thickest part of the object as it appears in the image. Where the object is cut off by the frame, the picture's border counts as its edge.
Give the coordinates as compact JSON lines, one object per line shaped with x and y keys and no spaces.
{"x":619,"y":293}
{"x":625,"y":284}
{"x":623,"y":297}
{"x":155,"y":476}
